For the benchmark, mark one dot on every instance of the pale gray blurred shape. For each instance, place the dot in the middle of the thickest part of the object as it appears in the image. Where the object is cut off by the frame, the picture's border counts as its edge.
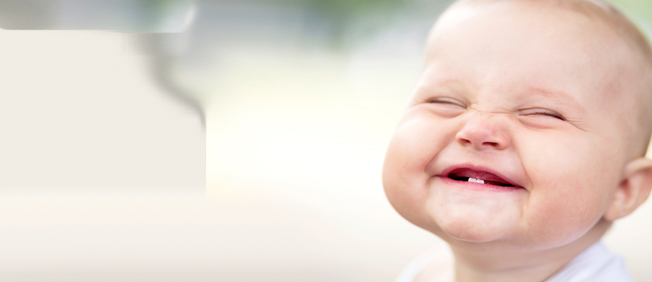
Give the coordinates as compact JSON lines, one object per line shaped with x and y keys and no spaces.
{"x":80,"y":139}
{"x":147,"y":18}
{"x":118,"y":15}
{"x":20,"y":14}
{"x":100,"y":157}
{"x":79,"y":110}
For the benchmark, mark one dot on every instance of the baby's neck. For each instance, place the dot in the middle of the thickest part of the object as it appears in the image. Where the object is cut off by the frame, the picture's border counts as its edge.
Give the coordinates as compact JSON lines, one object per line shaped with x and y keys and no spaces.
{"x":474,"y":266}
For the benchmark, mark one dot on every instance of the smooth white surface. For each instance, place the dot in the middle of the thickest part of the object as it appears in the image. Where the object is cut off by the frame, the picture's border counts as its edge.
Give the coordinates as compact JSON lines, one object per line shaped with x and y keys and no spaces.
{"x":81,"y":109}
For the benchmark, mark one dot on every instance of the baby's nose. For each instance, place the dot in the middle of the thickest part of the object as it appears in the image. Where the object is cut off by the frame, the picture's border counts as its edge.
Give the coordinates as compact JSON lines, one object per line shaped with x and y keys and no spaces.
{"x":481,"y":134}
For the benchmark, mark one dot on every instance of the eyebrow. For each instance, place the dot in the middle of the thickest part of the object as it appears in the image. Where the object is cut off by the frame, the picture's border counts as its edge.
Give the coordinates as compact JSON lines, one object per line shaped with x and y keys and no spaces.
{"x":565,"y":98}
{"x":449,"y":84}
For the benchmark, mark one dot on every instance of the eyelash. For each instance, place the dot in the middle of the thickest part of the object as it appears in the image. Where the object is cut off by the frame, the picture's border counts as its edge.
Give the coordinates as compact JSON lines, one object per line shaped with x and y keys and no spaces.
{"x":444,"y":100}
{"x":546,"y":113}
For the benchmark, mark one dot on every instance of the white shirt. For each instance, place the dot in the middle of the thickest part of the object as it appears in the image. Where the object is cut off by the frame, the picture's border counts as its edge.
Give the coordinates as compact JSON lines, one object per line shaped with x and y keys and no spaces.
{"x":595,"y":264}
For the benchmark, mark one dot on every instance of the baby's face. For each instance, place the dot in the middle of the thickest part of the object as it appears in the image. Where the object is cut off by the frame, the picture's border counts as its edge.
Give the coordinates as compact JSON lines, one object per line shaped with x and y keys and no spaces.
{"x":515,"y":133}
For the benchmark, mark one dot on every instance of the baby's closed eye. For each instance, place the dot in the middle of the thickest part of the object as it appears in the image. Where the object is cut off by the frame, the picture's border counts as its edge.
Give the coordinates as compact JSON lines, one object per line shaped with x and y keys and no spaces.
{"x":542,"y":112}
{"x":447,"y":101}
{"x":446,"y":106}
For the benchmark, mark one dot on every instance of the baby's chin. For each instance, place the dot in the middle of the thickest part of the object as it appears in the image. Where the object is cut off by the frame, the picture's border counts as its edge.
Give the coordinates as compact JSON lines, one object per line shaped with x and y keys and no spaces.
{"x":468,"y":230}
{"x":477,"y":221}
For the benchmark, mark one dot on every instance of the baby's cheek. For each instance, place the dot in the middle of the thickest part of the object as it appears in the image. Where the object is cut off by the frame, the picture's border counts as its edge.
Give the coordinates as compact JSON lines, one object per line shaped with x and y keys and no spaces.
{"x":406,"y":178}
{"x":400,"y":174}
{"x":564,"y":207}
{"x":561,"y":215}
{"x":413,"y":147}
{"x":566,"y":197}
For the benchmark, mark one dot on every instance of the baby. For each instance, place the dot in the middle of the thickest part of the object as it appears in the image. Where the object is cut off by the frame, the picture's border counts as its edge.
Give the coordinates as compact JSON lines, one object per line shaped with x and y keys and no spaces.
{"x":524,"y":140}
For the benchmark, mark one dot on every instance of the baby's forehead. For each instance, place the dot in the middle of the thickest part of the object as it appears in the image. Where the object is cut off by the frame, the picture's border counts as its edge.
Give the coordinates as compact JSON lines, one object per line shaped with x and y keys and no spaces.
{"x":531,"y":39}
{"x":601,"y":15}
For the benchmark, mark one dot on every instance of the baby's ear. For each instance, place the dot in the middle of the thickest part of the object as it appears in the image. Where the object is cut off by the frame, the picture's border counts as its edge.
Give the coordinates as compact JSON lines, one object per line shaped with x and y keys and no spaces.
{"x":633,"y":190}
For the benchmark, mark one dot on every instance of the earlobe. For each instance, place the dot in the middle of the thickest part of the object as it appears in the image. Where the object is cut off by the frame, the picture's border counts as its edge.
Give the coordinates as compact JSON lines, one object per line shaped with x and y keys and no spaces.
{"x":633,"y":190}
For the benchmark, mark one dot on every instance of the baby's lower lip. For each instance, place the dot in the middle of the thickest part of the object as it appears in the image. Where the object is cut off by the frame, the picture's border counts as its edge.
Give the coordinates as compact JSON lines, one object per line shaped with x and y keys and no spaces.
{"x":477,"y":186}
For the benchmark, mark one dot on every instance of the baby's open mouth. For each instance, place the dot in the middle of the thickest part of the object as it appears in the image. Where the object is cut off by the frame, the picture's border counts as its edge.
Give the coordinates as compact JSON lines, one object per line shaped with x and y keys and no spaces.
{"x":481,"y":177}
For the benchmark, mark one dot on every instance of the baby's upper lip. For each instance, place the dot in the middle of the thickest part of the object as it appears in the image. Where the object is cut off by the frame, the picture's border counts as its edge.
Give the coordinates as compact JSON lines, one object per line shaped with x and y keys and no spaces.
{"x":478,"y":172}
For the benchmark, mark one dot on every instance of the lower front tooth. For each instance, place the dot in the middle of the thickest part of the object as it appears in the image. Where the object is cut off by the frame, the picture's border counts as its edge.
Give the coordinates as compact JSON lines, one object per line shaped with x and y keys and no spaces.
{"x":476,"y":180}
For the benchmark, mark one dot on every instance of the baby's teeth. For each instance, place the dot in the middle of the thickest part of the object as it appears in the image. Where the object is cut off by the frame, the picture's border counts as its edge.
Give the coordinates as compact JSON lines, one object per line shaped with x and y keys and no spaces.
{"x":476,"y":180}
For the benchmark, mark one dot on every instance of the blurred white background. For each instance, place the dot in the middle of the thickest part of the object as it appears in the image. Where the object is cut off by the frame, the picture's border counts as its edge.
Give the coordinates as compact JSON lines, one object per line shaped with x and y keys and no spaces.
{"x":214,"y":140}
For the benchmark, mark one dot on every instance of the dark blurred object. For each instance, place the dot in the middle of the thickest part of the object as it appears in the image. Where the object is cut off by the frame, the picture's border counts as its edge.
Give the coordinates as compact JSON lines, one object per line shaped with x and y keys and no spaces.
{"x":118,"y":15}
